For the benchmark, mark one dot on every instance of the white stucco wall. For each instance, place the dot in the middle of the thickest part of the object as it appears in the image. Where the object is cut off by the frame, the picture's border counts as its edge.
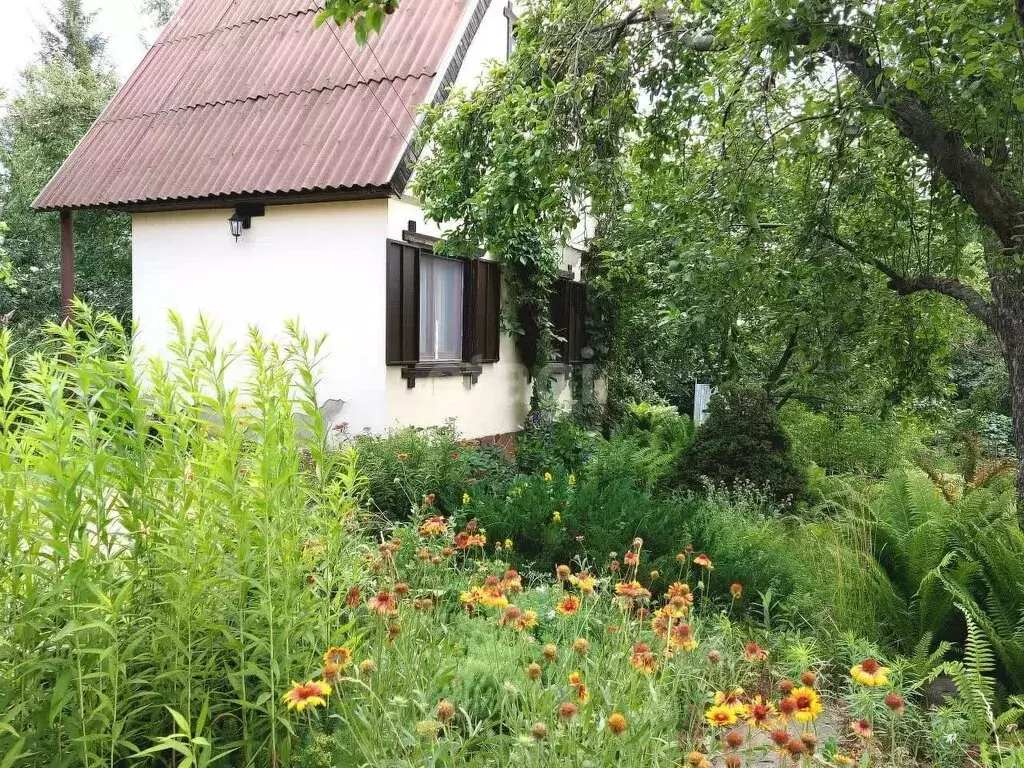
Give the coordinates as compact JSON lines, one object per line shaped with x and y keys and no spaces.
{"x":321,"y":263}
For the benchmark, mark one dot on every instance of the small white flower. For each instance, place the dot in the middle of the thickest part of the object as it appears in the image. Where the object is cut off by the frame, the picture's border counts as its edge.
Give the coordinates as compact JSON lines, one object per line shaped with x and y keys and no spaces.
{"x":950,"y":738}
{"x":550,"y":615}
{"x":541,"y":588}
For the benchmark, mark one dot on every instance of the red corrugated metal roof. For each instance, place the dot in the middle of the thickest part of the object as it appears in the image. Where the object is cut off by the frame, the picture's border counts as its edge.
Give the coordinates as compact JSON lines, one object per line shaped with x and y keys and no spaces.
{"x":246,"y":97}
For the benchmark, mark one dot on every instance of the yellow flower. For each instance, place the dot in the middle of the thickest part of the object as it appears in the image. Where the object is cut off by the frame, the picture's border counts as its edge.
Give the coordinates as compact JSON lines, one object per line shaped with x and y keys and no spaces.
{"x":556,"y":517}
{"x":465,"y":498}
{"x":584,"y":582}
{"x":808,"y":704}
{"x":572,"y":479}
{"x":311,"y":694}
{"x":547,"y":477}
{"x":870,"y":673}
{"x":508,"y":543}
{"x":617,"y":723}
{"x":721,"y":716}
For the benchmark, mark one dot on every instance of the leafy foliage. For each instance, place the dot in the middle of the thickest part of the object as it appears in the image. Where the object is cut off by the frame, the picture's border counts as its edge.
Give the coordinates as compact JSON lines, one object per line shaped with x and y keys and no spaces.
{"x":860,"y":443}
{"x":743,"y":441}
{"x":174,"y":552}
{"x":60,"y":98}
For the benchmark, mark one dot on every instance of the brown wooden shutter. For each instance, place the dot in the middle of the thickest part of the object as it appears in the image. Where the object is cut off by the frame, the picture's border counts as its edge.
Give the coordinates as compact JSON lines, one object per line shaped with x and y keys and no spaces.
{"x":576,"y":311}
{"x":559,"y":315}
{"x":481,"y":329}
{"x":568,"y":313}
{"x":403,"y":304}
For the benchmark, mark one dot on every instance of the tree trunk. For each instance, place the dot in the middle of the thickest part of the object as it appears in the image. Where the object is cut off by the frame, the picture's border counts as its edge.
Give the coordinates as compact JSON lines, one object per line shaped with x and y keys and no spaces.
{"x":1008,"y":295}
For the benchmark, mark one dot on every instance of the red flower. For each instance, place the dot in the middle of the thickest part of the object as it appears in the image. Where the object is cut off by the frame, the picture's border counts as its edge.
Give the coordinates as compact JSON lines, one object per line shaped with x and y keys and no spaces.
{"x":384,"y":603}
{"x":895,"y":702}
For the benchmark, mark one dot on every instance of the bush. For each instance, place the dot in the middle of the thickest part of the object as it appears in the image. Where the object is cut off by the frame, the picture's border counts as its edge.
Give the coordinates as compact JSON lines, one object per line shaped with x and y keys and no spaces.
{"x":743,"y":442}
{"x":660,"y":434}
{"x":550,"y":442}
{"x":406,"y":465}
{"x":596,"y":511}
{"x":853,"y":442}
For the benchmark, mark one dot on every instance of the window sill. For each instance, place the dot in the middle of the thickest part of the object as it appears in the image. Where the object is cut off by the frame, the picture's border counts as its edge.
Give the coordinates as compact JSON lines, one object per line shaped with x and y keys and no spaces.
{"x":436,"y":369}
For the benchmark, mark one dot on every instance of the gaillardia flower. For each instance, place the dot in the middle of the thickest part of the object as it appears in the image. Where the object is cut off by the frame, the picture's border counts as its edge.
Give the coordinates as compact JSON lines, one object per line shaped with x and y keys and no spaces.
{"x":340,"y":657}
{"x":311,"y":694}
{"x":704,"y":562}
{"x":721,"y":716}
{"x":617,"y":723}
{"x":568,"y":605}
{"x":808,"y":704}
{"x":870,"y":673}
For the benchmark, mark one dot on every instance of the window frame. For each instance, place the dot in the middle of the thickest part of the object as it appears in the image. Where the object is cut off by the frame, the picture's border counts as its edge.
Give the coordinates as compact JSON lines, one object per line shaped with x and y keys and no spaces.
{"x":458,"y":313}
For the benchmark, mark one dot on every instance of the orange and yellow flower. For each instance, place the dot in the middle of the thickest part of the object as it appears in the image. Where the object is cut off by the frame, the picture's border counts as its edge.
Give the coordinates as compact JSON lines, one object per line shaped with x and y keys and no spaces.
{"x":808,"y":704}
{"x":721,"y":716}
{"x":311,"y":694}
{"x":584,"y":582}
{"x":568,"y":605}
{"x":631,"y":589}
{"x":642,"y":658}
{"x":862,"y":729}
{"x":434,"y":526}
{"x":753,"y":652}
{"x":577,"y":684}
{"x":760,"y":713}
{"x":681,"y":636}
{"x":340,"y":657}
{"x":384,"y":603}
{"x":870,"y":673}
{"x":617,"y":723}
{"x":704,"y":562}
{"x":680,"y":589}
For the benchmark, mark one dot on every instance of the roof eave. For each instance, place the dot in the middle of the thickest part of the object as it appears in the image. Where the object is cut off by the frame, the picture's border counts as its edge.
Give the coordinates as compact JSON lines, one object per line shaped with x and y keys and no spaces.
{"x":340,"y":194}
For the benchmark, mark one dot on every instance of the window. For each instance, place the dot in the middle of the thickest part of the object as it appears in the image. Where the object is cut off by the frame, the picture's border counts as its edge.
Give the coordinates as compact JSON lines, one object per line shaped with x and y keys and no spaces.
{"x":442,"y":315}
{"x":441,"y":308}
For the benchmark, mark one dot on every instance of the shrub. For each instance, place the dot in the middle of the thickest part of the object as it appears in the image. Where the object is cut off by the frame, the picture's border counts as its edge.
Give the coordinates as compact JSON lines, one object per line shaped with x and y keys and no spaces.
{"x":743,"y":442}
{"x":853,"y":442}
{"x":550,"y":442}
{"x":595,"y":515}
{"x":406,"y":465}
{"x":660,"y":434}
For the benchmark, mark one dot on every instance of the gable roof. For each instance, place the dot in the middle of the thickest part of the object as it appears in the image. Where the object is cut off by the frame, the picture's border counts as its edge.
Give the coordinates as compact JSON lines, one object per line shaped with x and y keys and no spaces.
{"x":244,"y":99}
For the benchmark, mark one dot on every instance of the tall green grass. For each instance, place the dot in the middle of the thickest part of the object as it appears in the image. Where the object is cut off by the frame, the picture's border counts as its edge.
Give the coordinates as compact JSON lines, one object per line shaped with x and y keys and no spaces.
{"x":174,"y":549}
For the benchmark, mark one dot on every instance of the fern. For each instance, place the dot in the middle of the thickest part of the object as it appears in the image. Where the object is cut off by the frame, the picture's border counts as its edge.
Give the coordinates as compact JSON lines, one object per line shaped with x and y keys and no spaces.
{"x":973,"y":679}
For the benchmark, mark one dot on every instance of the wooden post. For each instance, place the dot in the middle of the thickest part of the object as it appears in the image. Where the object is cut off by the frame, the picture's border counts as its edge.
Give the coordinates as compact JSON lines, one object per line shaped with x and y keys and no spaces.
{"x":67,"y":264}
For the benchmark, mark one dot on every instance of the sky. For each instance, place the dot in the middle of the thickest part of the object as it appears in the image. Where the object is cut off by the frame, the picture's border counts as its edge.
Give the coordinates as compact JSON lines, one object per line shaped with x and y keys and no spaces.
{"x":120,"y":21}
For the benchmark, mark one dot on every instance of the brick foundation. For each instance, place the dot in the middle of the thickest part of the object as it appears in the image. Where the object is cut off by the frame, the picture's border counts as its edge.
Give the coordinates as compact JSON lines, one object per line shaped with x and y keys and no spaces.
{"x":506,"y":441}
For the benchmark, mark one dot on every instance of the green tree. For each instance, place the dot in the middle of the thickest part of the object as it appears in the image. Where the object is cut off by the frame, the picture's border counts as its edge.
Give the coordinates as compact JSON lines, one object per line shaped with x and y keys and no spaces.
{"x":59,"y":99}
{"x":67,"y":36}
{"x":911,"y":112}
{"x":159,"y":11}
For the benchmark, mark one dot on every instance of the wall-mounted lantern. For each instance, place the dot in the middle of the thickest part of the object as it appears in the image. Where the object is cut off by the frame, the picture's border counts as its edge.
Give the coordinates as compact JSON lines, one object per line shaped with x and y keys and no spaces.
{"x":242,"y":218}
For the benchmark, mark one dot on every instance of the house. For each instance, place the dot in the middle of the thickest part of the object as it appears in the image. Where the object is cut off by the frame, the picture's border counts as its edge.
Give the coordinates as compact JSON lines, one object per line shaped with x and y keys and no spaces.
{"x":266,"y":164}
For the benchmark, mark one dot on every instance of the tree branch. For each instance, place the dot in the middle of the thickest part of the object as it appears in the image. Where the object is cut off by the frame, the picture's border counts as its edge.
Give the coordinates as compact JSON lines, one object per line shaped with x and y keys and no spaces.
{"x":903,"y":285}
{"x":780,"y":367}
{"x":996,"y":204}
